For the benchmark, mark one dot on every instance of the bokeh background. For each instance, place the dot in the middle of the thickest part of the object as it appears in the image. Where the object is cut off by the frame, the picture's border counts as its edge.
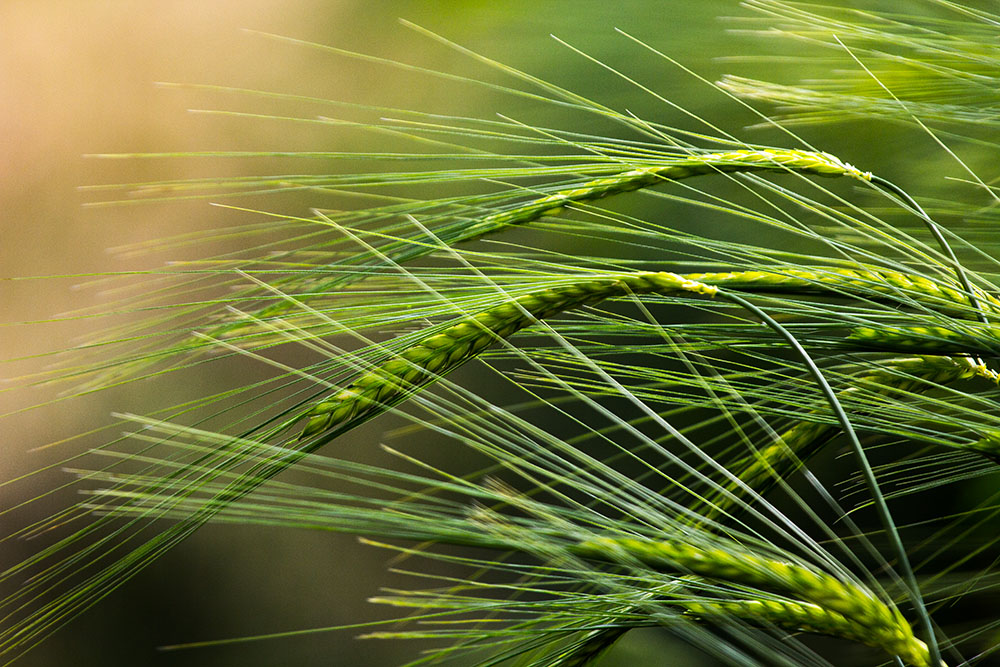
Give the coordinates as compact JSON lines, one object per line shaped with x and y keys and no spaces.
{"x":78,"y":78}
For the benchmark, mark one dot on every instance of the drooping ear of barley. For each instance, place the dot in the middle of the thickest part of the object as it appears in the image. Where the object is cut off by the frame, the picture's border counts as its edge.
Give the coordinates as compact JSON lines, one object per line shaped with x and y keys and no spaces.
{"x":796,"y":616}
{"x":636,"y":178}
{"x":772,"y":159}
{"x":444,"y":351}
{"x":453,"y":346}
{"x":967,"y":338}
{"x":885,"y":624}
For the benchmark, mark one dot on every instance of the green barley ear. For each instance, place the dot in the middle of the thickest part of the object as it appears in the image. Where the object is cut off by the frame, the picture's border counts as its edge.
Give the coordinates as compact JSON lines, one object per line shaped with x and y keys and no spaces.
{"x":822,"y":590}
{"x":436,"y":355}
{"x":649,"y":173}
{"x":444,"y":350}
{"x":441,"y":352}
{"x":807,"y":617}
{"x":970,"y":339}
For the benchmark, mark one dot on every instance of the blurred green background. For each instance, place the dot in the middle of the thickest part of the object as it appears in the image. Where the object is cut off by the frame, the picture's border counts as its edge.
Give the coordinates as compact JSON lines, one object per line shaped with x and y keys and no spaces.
{"x":77,"y":78}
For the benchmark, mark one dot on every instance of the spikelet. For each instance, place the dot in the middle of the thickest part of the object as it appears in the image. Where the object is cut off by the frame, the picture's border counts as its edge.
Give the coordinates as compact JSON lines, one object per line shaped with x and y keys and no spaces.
{"x":728,"y":564}
{"x":797,"y":616}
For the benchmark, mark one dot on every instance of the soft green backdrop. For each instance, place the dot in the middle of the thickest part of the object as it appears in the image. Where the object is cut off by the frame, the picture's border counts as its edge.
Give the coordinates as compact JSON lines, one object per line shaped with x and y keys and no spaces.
{"x":78,"y":78}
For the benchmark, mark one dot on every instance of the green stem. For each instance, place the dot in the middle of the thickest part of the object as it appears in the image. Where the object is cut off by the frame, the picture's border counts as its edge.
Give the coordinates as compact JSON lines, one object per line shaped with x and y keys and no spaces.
{"x":869,"y":475}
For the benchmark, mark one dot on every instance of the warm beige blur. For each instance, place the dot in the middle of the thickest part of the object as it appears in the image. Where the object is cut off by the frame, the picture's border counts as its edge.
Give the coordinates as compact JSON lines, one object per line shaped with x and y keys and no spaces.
{"x":78,"y":78}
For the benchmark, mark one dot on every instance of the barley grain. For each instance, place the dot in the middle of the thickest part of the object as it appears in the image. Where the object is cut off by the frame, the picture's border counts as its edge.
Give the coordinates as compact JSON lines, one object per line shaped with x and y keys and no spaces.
{"x":450,"y":348}
{"x":629,"y":180}
{"x":945,"y":297}
{"x":445,"y":351}
{"x":799,"y":616}
{"x":772,"y":159}
{"x":731,"y":565}
{"x":972,"y":339}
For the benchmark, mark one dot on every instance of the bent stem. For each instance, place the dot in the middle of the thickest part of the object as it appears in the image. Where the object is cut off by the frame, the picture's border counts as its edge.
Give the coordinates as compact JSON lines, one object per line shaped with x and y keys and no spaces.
{"x":869,"y":475}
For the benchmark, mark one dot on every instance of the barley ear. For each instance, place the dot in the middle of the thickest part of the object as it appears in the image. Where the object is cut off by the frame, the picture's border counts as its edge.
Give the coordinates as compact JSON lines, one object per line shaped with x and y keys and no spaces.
{"x":798,"y":616}
{"x":446,"y":350}
{"x":827,"y":592}
{"x":973,"y":339}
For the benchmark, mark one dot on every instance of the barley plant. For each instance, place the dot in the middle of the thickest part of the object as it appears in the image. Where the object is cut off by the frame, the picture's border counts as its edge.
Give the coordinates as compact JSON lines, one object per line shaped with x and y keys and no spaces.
{"x":584,"y":366}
